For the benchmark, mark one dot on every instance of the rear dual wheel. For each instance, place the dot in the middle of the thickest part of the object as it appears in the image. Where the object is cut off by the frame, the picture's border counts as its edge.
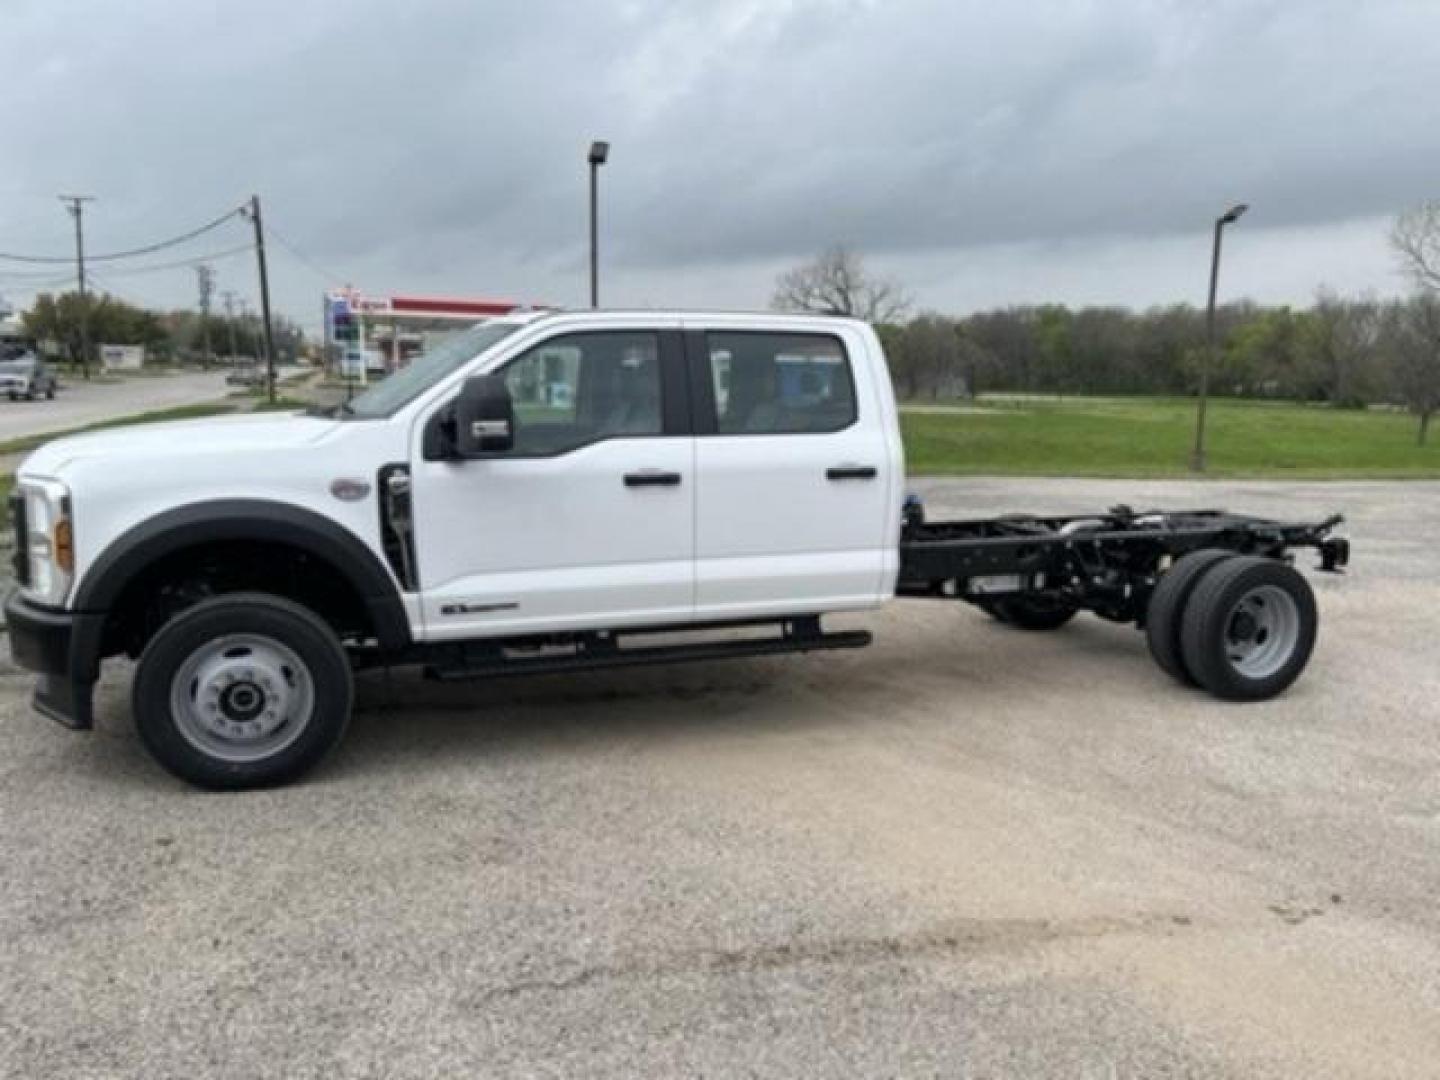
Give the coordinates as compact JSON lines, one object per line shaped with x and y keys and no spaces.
{"x":1240,"y":626}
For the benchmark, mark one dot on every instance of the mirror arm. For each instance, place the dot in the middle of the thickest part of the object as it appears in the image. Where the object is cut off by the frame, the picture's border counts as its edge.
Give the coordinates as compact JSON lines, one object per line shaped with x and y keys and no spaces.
{"x":449,"y":433}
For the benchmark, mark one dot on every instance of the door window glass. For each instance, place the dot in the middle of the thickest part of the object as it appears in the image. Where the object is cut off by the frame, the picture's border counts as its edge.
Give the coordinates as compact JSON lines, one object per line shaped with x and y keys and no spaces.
{"x":780,"y":383}
{"x":581,"y":388}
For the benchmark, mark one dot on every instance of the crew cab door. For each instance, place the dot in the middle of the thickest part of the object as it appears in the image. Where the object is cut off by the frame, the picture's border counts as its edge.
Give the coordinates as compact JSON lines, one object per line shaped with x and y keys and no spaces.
{"x":587,"y":522}
{"x":798,"y":461}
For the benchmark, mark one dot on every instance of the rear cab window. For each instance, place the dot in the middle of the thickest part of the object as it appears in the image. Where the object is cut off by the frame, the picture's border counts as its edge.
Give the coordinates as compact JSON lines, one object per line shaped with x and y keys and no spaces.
{"x":767,"y":383}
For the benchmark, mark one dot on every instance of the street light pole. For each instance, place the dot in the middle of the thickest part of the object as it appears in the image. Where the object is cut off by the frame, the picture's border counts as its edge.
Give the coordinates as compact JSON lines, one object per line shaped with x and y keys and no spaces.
{"x":599,"y":153}
{"x":76,"y":205}
{"x":1197,"y":456}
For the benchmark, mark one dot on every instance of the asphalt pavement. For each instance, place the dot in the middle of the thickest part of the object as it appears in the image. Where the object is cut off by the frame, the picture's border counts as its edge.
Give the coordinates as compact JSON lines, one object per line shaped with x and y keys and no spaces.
{"x":79,"y":402}
{"x":966,"y":851}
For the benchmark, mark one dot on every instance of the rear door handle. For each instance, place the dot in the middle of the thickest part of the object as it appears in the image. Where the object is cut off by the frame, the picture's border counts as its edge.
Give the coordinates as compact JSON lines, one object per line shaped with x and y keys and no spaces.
{"x":652,"y":478}
{"x":851,"y":472}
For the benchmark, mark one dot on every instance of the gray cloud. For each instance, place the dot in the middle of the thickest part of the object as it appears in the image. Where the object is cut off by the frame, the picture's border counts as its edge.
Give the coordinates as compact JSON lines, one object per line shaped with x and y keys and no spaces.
{"x":439,"y":145}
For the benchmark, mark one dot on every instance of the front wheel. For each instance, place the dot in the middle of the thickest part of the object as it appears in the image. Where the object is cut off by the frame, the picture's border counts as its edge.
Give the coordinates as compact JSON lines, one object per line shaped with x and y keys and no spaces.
{"x":240,"y":691}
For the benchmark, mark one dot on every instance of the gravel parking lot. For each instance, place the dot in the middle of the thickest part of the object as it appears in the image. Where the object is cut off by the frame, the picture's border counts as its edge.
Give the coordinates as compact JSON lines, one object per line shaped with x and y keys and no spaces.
{"x":966,"y":851}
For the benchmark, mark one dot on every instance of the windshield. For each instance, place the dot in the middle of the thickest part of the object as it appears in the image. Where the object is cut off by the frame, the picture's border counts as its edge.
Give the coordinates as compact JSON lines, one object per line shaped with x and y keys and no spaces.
{"x":396,"y":391}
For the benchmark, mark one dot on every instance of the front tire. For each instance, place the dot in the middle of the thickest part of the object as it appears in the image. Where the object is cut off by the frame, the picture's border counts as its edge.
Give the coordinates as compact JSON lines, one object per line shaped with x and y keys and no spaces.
{"x":241,"y":691}
{"x":1249,"y":628}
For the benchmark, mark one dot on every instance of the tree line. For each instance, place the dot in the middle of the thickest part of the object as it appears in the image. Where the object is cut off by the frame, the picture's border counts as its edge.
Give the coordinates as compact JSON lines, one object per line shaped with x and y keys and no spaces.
{"x":1342,"y":351}
{"x":171,"y":336}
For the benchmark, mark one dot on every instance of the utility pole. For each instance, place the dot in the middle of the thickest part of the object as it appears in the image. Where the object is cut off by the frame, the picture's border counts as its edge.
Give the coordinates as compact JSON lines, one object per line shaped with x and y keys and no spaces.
{"x":254,"y":214}
{"x":205,"y":278}
{"x":229,"y":297}
{"x":76,"y":205}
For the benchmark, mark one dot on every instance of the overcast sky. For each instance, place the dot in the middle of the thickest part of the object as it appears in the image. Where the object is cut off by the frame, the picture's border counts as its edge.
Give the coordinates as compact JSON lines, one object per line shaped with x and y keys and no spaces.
{"x":983,"y":153}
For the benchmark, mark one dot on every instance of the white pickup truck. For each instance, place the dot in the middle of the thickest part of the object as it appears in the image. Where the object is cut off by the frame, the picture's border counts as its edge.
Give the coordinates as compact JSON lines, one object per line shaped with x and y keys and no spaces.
{"x":554,"y":491}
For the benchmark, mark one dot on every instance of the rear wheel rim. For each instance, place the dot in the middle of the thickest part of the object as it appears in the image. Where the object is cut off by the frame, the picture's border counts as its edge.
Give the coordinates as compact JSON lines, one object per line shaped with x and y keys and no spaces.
{"x":242,"y":697}
{"x":1262,"y":632}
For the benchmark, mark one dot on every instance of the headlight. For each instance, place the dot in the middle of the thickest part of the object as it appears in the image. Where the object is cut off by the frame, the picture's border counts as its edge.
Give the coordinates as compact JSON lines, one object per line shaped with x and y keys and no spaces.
{"x":49,"y":540}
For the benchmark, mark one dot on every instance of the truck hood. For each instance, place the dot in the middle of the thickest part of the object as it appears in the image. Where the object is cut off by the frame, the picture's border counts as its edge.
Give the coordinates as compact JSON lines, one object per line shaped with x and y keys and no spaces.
{"x":221,"y":434}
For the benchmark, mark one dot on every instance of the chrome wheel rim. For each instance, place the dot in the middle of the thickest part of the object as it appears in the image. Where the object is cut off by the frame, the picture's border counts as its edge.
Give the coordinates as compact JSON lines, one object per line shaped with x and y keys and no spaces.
{"x":242,"y":697}
{"x":1262,"y":631}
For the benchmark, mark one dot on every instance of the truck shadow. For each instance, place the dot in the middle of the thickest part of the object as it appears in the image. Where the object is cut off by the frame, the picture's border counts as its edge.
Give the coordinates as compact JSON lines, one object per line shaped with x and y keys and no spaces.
{"x":404,"y":722}
{"x":401,"y":717}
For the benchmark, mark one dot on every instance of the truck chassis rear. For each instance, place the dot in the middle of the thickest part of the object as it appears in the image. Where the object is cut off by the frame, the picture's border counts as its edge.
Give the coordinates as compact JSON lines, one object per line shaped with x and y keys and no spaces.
{"x":1036,"y":572}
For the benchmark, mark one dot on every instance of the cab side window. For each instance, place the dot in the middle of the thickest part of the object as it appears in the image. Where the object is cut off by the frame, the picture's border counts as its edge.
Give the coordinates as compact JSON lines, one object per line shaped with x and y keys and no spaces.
{"x":780,"y":383}
{"x":580,"y":388}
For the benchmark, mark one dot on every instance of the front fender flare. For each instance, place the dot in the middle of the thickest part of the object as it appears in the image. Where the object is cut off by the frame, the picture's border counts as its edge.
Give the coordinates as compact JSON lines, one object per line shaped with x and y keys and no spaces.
{"x":243,"y":519}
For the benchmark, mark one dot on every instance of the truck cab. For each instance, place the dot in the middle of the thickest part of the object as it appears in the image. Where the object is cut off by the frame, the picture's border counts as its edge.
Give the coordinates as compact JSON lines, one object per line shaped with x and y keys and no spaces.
{"x":541,"y":479}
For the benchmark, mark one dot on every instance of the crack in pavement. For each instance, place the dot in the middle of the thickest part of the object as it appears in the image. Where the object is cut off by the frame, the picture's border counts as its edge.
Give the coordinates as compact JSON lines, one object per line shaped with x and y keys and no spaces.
{"x":967,"y":935}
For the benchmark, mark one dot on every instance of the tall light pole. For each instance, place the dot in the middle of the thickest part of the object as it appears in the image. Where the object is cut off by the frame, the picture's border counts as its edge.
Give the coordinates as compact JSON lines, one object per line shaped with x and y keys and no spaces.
{"x":599,"y":152}
{"x":76,"y":205}
{"x":1197,"y":456}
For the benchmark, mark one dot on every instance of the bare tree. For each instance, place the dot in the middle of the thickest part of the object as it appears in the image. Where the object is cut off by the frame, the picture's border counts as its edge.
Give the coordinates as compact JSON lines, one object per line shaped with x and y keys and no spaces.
{"x":927,"y":358}
{"x":1339,"y":338}
{"x":1413,"y":343}
{"x":837,"y":283}
{"x":1415,"y":236}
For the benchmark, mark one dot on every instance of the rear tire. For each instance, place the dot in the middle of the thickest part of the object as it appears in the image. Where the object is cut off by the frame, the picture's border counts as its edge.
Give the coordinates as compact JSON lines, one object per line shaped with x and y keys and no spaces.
{"x":1035,"y":613}
{"x":241,"y":691}
{"x":1167,"y":607}
{"x":1249,"y":628}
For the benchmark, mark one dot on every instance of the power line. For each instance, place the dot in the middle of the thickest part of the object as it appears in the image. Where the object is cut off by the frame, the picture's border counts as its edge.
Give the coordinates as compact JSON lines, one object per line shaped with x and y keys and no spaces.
{"x":107,"y":287}
{"x":315,"y":267}
{"x":132,"y":252}
{"x":196,"y":260}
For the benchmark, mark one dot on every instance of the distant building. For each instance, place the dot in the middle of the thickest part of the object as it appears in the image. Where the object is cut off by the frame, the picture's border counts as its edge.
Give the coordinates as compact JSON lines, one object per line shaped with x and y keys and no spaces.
{"x":375,"y":335}
{"x":122,"y":357}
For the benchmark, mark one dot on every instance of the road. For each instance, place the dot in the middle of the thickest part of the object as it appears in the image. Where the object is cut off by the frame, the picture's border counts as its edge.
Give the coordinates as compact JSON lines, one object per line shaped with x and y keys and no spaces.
{"x":967,"y":851}
{"x":79,"y":403}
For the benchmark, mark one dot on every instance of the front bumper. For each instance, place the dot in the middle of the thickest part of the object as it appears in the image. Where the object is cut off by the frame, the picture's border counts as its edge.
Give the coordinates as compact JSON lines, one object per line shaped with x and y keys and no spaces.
{"x":54,"y":645}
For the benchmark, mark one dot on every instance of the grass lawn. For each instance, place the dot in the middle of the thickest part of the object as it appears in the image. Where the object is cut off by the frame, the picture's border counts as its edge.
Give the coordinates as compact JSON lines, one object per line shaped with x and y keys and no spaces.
{"x":1153,"y":436}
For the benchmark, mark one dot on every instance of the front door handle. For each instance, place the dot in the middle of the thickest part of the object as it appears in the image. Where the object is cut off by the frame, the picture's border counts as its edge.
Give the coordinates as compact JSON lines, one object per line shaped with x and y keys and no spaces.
{"x":851,"y":472}
{"x":652,"y":478}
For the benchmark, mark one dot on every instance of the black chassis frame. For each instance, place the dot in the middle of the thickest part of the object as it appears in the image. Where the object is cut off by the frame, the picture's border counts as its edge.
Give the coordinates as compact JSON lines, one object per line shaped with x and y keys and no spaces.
{"x":1106,"y":563}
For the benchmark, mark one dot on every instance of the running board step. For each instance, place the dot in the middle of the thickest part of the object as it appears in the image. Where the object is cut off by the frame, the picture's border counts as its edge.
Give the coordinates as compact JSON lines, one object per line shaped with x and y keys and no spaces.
{"x":589,"y":659}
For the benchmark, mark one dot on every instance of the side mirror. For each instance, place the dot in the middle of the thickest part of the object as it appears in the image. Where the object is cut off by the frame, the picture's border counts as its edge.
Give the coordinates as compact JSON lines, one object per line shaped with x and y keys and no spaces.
{"x":484,"y":417}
